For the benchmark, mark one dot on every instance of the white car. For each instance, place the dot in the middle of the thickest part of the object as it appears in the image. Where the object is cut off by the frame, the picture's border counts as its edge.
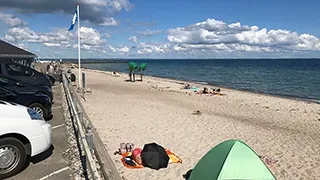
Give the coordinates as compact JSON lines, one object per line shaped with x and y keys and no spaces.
{"x":23,"y":132}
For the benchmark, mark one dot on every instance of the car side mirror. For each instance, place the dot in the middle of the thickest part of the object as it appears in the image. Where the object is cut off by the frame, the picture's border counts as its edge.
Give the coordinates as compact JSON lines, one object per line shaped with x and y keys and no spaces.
{"x":20,"y":84}
{"x":28,"y":73}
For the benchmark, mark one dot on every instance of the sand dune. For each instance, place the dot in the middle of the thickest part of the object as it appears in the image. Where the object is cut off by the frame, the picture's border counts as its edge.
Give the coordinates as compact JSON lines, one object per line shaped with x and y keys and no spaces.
{"x":158,"y":110}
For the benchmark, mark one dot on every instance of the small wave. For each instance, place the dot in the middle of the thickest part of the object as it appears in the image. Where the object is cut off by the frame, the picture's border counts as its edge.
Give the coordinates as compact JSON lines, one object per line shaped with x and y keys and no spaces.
{"x":202,"y":82}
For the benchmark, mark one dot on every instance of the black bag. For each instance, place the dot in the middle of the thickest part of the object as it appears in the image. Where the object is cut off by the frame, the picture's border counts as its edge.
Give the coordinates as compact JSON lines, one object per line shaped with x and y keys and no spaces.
{"x":187,"y":175}
{"x":73,"y":77}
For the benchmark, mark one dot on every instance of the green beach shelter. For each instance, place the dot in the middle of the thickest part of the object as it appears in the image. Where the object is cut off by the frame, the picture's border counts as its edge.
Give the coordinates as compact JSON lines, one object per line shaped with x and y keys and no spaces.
{"x":231,"y":160}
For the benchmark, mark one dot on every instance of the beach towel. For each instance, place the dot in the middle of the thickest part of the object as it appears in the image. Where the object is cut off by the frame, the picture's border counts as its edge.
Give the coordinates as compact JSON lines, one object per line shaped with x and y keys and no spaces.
{"x":173,"y":159}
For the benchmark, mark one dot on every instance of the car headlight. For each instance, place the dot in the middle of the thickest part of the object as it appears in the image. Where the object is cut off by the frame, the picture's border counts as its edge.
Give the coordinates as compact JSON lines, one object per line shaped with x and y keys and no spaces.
{"x":34,"y":115}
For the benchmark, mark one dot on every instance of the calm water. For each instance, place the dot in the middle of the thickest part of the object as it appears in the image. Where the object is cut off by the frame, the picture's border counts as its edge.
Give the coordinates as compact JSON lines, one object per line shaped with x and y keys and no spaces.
{"x":286,"y":77}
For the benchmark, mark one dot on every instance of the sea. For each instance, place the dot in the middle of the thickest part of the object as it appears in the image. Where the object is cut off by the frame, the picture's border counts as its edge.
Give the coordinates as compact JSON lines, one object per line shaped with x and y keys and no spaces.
{"x":295,"y":78}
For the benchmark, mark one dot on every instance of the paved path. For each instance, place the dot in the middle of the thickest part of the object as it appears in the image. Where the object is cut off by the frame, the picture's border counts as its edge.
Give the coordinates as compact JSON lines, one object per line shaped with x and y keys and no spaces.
{"x":54,"y":166}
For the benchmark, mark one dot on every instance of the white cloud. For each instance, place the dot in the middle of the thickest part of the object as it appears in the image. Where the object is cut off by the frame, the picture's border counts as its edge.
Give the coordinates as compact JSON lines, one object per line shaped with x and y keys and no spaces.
{"x":52,"y":39}
{"x":22,"y":34}
{"x":149,"y":32}
{"x":90,"y":36}
{"x":133,"y":39}
{"x":112,"y":49}
{"x":117,"y":5}
{"x":124,"y":49}
{"x":52,"y":44}
{"x":107,"y":35}
{"x":11,"y":20}
{"x":236,"y":37}
{"x":109,"y":22}
{"x":157,"y":48}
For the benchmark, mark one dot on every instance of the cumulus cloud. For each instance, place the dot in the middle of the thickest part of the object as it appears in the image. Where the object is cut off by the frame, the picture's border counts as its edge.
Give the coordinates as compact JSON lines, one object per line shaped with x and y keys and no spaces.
{"x":133,"y":39}
{"x":95,"y":11}
{"x":25,"y":34}
{"x":11,"y":20}
{"x":90,"y":37}
{"x":52,"y":44}
{"x":124,"y":49}
{"x":149,"y":32}
{"x":218,"y":35}
{"x":156,"y":48}
{"x":109,"y":22}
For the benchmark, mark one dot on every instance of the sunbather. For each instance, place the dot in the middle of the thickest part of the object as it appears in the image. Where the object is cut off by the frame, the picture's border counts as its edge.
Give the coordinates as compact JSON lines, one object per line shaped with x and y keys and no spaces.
{"x":136,"y":155}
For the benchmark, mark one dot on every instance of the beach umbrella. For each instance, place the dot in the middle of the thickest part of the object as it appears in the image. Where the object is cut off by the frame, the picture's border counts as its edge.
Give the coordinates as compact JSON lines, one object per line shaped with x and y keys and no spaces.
{"x":232,"y":160}
{"x":154,"y":156}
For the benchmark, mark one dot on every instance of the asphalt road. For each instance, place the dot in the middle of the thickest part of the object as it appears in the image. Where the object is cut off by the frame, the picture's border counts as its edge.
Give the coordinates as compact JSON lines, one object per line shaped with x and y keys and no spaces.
{"x":50,"y":165}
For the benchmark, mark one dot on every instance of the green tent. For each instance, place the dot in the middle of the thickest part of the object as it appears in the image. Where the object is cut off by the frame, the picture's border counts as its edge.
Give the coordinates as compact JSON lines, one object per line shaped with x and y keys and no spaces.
{"x":231,"y":160}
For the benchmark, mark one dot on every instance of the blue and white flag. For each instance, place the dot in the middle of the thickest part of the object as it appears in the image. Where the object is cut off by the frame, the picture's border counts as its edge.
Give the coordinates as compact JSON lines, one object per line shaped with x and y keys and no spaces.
{"x":74,"y":20}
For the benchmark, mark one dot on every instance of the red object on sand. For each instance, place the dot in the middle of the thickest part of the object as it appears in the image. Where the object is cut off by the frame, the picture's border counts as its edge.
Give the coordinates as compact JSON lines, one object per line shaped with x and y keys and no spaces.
{"x":136,"y":152}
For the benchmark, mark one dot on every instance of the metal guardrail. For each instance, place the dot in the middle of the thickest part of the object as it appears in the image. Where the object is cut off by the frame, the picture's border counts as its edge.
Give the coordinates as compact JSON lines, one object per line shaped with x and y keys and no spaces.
{"x":83,"y":132}
{"x":93,"y":145}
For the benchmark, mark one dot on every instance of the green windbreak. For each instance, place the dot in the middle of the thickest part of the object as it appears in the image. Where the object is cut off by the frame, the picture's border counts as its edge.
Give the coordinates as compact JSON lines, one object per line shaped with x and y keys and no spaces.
{"x":231,"y":160}
{"x":243,"y":163}
{"x":209,"y":166}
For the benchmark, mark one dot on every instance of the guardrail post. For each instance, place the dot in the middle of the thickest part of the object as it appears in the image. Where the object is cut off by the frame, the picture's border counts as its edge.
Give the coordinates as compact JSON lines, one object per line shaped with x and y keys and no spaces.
{"x":89,"y":137}
{"x":83,"y":81}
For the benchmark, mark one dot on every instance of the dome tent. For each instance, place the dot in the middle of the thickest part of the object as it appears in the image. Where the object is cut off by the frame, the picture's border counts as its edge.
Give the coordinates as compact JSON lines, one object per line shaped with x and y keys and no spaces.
{"x":231,"y":160}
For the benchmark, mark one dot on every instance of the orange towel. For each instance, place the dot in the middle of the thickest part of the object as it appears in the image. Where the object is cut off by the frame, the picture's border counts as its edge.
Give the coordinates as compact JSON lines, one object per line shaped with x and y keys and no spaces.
{"x":172,"y":159}
{"x":127,"y":165}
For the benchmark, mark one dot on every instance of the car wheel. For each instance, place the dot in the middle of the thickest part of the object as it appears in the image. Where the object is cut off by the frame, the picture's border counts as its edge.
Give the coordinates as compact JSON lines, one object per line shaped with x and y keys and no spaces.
{"x":12,"y":157}
{"x":39,"y":108}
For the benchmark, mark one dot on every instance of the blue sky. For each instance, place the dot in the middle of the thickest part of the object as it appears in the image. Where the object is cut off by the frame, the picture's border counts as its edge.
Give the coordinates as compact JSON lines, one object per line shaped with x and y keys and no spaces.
{"x":164,"y":29}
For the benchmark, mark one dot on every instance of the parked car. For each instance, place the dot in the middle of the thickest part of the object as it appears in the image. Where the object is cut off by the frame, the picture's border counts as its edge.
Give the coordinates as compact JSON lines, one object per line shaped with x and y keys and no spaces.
{"x":52,"y":79}
{"x":40,"y":103}
{"x":24,"y":74}
{"x":23,"y":133}
{"x":21,"y":87}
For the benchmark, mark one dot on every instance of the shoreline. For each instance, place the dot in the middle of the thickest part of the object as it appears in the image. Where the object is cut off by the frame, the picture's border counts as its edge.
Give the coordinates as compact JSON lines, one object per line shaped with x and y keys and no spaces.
{"x":211,"y":85}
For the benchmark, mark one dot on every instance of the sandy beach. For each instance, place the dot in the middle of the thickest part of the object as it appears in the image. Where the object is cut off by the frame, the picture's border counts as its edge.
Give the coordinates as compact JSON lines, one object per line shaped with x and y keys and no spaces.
{"x":158,"y":110}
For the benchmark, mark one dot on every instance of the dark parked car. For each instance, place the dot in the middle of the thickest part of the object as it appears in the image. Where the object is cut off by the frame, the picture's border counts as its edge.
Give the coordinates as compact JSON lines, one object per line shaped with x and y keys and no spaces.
{"x":21,"y":87}
{"x":52,"y":79}
{"x":41,"y":103}
{"x":24,"y":74}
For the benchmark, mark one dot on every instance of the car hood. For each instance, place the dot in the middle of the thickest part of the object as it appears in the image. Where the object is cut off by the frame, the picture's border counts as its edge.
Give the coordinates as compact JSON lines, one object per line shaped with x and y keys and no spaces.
{"x":13,"y":110}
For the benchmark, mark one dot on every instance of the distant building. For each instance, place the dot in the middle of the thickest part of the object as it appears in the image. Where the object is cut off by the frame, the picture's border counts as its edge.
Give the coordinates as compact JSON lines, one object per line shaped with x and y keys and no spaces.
{"x":11,"y":53}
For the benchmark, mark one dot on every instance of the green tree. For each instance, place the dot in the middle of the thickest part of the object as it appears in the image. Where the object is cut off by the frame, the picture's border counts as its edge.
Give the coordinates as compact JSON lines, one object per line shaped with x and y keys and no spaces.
{"x":132,"y":69}
{"x":141,"y":68}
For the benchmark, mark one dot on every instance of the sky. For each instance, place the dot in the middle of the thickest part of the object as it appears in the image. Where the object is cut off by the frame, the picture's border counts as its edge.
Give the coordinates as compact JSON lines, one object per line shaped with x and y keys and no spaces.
{"x":164,"y":29}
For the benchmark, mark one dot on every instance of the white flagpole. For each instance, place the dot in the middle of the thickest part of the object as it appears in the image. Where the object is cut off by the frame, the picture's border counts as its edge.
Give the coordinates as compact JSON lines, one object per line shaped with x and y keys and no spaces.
{"x":79,"y":61}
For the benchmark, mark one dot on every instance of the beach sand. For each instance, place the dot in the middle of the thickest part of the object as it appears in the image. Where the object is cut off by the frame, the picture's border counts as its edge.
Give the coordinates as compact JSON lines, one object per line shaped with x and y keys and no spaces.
{"x":158,"y":110}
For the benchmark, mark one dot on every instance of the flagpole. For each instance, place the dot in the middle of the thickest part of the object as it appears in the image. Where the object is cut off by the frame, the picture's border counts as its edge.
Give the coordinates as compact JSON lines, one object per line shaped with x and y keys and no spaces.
{"x":79,"y":61}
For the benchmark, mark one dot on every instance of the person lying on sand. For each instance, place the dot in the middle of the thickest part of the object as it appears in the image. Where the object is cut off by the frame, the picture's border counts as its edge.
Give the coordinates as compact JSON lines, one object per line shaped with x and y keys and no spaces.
{"x":204,"y":91}
{"x":217,"y":92}
{"x":214,"y":91}
{"x":136,"y":155}
{"x":187,"y":86}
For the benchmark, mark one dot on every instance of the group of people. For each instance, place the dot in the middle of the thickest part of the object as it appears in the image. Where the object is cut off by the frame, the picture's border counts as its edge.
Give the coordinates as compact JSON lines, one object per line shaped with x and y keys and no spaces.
{"x":205,"y":90}
{"x":52,"y":67}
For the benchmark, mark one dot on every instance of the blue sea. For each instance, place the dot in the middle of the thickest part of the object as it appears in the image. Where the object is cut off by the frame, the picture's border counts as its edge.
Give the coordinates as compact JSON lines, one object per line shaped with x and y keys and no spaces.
{"x":298,"y":78}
